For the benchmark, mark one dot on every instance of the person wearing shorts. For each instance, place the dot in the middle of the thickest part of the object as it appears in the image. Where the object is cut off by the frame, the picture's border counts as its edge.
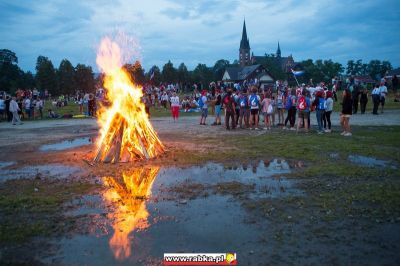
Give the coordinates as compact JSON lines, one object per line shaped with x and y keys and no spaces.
{"x":254,"y":103}
{"x":218,"y":103}
{"x":204,"y":108}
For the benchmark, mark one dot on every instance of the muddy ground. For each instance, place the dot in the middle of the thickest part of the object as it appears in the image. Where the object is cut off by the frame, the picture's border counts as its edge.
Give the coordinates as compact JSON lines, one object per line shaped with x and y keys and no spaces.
{"x":206,"y":194}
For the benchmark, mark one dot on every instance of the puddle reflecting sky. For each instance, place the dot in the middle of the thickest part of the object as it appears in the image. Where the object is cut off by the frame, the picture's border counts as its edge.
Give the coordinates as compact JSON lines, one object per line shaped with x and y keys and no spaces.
{"x":66,"y":144}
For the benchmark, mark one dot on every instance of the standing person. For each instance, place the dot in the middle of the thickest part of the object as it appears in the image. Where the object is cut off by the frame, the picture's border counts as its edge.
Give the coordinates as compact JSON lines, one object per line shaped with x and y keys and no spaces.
{"x":303,"y":106}
{"x":244,"y":112}
{"x":218,"y":103}
{"x":174,"y":106}
{"x":14,"y":110}
{"x":2,"y":108}
{"x":280,"y":99}
{"x":319,"y":104}
{"x":355,"y":97}
{"x":383,"y":92}
{"x":395,"y":84}
{"x":33,"y":105}
{"x":347,"y":106}
{"x":27,"y":106}
{"x":39,"y":107}
{"x":229,"y":105}
{"x":204,"y":108}
{"x":267,"y":110}
{"x":8,"y":113}
{"x":80,"y":102}
{"x":291,"y":109}
{"x":254,"y":103}
{"x":328,"y":112}
{"x":236,"y":97}
{"x":375,"y":99}
{"x":363,"y":100}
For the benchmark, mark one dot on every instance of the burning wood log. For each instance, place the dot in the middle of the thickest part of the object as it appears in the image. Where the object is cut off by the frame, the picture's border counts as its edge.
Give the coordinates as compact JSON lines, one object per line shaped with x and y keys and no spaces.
{"x":126,"y":132}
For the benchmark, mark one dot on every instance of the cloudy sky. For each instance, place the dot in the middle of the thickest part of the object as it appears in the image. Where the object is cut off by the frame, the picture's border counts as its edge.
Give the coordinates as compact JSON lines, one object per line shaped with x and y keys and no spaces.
{"x":201,"y":31}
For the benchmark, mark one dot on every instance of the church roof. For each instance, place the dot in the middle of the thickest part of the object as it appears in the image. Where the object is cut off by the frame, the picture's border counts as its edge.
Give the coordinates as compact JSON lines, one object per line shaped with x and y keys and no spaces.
{"x":241,"y":73}
{"x":244,"y":43}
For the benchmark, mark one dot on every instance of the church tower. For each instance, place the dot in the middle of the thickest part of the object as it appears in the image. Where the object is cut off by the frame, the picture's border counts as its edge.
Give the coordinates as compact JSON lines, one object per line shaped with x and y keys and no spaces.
{"x":244,"y":50}
{"x":278,"y":51}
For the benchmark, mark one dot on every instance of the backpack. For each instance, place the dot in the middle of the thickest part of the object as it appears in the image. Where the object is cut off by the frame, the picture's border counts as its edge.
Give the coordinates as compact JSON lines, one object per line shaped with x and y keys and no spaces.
{"x":270,"y":109}
{"x":254,"y":101}
{"x":226,"y":100}
{"x":321,"y":104}
{"x":288,"y":102}
{"x":302,"y":104}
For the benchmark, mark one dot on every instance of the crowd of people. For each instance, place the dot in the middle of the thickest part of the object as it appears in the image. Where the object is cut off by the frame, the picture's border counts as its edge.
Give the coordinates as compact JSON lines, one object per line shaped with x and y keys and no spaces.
{"x":286,"y":107}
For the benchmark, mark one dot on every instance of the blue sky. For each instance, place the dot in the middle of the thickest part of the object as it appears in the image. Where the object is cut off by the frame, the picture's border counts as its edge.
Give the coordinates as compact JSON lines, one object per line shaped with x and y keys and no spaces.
{"x":201,"y":31}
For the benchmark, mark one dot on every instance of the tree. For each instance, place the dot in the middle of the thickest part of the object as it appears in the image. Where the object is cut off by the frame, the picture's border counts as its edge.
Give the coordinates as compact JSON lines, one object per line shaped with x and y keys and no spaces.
{"x":169,"y":73}
{"x":9,"y":77}
{"x":46,"y":78}
{"x":219,"y":68}
{"x":156,"y":75}
{"x":350,"y":67}
{"x":136,"y":72}
{"x":203,"y":74}
{"x":7,"y":56}
{"x":183,"y":73}
{"x":66,"y":77}
{"x":84,"y":78}
{"x":271,"y":63}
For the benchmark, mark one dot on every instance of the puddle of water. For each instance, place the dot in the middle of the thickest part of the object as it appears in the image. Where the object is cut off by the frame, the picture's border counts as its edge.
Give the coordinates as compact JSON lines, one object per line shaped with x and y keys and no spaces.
{"x":5,"y":164}
{"x":67,"y":144}
{"x":47,"y":170}
{"x":369,"y":161}
{"x":140,"y":226}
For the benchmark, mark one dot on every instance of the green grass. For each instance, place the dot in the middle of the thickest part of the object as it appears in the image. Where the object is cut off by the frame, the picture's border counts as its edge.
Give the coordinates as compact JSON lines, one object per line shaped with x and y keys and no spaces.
{"x":26,"y":213}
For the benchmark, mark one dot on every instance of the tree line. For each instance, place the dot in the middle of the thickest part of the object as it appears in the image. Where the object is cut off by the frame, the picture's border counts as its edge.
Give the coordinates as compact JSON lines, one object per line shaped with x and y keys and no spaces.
{"x":67,"y":79}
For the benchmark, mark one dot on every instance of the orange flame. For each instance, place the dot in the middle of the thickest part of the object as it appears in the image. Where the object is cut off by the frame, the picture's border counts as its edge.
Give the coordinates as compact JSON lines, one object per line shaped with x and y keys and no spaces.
{"x":131,"y":191}
{"x":125,"y":130}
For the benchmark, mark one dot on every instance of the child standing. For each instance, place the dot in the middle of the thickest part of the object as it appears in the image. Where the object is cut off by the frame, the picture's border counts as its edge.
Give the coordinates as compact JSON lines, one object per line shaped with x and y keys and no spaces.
{"x":175,"y":106}
{"x":267,"y":110}
{"x":328,"y":112}
{"x":254,"y":102}
{"x":280,"y":99}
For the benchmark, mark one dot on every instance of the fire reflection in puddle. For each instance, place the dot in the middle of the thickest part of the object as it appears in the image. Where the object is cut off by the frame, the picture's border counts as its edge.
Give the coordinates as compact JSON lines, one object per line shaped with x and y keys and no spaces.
{"x":130,"y":193}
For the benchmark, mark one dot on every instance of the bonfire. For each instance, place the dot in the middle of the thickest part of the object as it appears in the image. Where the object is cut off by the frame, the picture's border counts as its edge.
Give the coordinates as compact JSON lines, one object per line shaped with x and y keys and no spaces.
{"x":126,"y":133}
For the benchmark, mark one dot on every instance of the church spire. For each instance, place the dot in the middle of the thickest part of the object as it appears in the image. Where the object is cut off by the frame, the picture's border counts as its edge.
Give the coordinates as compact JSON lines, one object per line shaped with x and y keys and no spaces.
{"x":244,"y":43}
{"x":278,"y":51}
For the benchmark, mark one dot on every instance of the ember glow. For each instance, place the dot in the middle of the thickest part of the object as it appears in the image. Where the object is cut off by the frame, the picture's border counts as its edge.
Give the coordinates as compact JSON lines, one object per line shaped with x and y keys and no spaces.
{"x":128,"y":196}
{"x":125,"y":130}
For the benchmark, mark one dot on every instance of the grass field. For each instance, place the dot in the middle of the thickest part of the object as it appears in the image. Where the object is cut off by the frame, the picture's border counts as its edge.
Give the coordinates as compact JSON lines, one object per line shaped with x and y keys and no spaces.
{"x":73,"y":108}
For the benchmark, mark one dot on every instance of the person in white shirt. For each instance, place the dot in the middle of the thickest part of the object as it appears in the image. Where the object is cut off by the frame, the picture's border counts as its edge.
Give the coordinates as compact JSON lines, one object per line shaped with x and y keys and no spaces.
{"x":382,"y":93}
{"x":375,"y":99}
{"x":204,"y":107}
{"x":14,"y":110}
{"x":175,"y":106}
{"x":39,"y":107}
{"x":27,"y":106}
